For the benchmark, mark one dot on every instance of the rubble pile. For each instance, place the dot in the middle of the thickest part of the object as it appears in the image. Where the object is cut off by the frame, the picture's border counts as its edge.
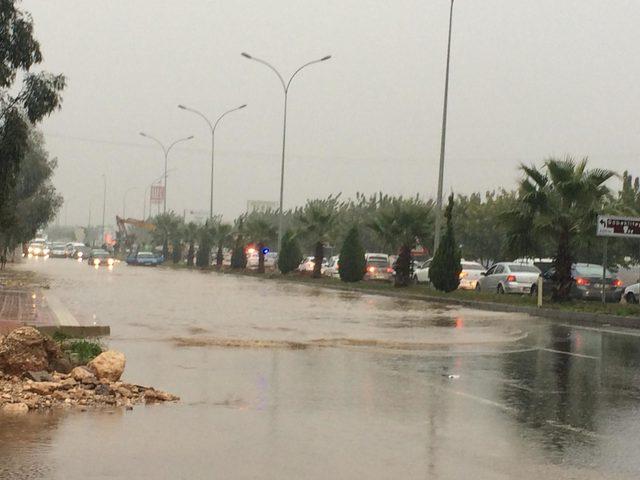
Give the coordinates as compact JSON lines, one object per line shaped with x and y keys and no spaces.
{"x":35,"y":375}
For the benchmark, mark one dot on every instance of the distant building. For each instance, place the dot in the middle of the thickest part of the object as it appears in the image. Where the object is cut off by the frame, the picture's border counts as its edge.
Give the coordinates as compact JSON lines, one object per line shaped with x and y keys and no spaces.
{"x":261,"y":206}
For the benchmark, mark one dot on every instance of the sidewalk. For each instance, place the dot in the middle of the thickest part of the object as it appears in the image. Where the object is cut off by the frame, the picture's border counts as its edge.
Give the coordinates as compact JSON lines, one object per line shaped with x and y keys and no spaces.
{"x":22,"y":304}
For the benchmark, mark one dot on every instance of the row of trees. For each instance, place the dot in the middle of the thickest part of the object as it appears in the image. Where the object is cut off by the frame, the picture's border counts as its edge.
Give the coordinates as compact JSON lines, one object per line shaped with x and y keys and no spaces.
{"x":27,"y":198}
{"x":551,"y":214}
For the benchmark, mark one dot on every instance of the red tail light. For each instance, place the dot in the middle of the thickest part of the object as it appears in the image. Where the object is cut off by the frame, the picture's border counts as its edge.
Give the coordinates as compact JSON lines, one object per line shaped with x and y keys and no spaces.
{"x":617,"y":283}
{"x":372,"y":269}
{"x":582,"y":281}
{"x":511,"y":278}
{"x":389,"y":270}
{"x":464,"y":274}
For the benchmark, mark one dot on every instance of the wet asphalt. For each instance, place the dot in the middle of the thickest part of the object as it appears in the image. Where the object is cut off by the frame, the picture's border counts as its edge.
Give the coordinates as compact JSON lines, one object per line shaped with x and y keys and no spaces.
{"x":283,"y":381}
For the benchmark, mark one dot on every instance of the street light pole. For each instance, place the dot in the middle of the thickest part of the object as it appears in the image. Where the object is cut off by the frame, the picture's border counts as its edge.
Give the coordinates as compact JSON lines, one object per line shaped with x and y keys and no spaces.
{"x":104,"y":206}
{"x":166,"y":151}
{"x":212,"y":127}
{"x":285,"y":86}
{"x":443,"y":140}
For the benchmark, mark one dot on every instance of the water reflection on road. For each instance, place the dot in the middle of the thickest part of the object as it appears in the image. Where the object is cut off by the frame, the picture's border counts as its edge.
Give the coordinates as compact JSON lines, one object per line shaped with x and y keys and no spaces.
{"x":373,"y":387}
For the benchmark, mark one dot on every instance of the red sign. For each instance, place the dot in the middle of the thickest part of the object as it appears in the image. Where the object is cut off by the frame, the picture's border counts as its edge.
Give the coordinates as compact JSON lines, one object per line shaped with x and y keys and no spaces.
{"x":157,"y":193}
{"x":612,"y":226}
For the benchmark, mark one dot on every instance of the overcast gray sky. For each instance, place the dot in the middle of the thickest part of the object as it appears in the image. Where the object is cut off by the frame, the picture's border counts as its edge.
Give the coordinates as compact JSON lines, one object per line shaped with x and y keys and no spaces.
{"x":529,"y":79}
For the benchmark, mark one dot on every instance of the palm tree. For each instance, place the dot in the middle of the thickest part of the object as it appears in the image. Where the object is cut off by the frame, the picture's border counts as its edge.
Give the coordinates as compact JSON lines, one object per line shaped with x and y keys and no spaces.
{"x":559,"y":202}
{"x":167,"y":230}
{"x":261,"y":232}
{"x":190,"y":233}
{"x":401,"y":224}
{"x":222,"y":236}
{"x":317,"y":220}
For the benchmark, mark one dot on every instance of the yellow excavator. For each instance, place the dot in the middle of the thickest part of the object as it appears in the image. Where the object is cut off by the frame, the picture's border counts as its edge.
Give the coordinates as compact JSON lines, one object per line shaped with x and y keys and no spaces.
{"x":127,"y":237}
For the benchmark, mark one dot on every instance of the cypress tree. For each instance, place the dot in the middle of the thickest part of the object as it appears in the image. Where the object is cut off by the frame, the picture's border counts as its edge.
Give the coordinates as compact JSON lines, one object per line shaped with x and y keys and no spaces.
{"x":238,"y":256}
{"x":445,"y":268}
{"x":290,"y":254}
{"x":352,"y":262}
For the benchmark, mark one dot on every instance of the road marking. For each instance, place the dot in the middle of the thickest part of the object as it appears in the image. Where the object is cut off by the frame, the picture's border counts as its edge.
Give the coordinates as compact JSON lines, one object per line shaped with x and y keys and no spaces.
{"x":63,"y":315}
{"x":627,"y":332}
{"x":581,"y":355}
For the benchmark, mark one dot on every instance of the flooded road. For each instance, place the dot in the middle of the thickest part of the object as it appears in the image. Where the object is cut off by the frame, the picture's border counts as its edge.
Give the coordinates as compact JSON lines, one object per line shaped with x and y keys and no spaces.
{"x":286,"y":381}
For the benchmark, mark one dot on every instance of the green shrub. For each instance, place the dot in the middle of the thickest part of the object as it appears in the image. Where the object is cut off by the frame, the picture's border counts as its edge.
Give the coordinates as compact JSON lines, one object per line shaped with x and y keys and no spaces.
{"x":238,"y":256}
{"x":290,"y":255}
{"x":84,"y":350}
{"x":445,"y":268}
{"x":352,"y":262}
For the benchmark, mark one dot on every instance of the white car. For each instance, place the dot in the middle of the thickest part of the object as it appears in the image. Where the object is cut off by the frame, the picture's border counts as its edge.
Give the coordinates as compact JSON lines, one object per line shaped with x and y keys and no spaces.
{"x":421,"y":272}
{"x":332,"y":268}
{"x":378,"y":267}
{"x":470,"y":275}
{"x":632,"y":293}
{"x":508,"y":277}
{"x":307,"y":264}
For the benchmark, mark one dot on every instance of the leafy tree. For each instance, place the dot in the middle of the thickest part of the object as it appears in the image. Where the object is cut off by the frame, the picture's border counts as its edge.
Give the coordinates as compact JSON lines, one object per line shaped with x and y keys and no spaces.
{"x":560,"y":202}
{"x":261,"y":232}
{"x":34,"y":201}
{"x":290,"y":255}
{"x":238,"y":255}
{"x":316,"y":220}
{"x":445,"y":268}
{"x":206,"y":233}
{"x":401,"y":224}
{"x":21,"y":106}
{"x":352,"y":263}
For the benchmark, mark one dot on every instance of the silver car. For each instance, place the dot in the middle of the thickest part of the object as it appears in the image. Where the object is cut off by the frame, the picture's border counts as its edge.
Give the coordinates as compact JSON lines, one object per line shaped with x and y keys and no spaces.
{"x":507,"y":277}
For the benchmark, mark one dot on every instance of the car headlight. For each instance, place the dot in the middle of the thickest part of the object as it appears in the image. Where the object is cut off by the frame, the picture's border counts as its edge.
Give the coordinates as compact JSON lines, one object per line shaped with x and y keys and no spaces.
{"x":96,"y":261}
{"x":110,"y":261}
{"x":79,"y":254}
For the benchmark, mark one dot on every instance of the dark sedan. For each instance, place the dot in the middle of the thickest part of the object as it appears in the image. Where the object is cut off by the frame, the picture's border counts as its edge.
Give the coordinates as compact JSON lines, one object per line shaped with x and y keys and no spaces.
{"x":587,"y":283}
{"x":99,"y":257}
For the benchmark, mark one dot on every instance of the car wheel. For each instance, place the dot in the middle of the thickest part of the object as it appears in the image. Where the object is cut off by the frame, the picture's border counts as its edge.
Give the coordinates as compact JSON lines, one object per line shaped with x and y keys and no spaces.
{"x":631,"y":298}
{"x":500,"y":289}
{"x":534,"y":290}
{"x":414,"y":280}
{"x":478,"y":289}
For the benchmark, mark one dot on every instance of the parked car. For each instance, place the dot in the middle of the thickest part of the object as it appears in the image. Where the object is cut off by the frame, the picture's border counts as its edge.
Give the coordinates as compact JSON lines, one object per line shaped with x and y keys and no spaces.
{"x":99,"y":257}
{"x":58,"y":250}
{"x":148,"y":259}
{"x":270,"y":260}
{"x":507,"y":277}
{"x":377,"y":267}
{"x":587,"y":283}
{"x":421,"y":271}
{"x":632,"y":293}
{"x":470,"y":275}
{"x":332,"y":268}
{"x":307,"y":264}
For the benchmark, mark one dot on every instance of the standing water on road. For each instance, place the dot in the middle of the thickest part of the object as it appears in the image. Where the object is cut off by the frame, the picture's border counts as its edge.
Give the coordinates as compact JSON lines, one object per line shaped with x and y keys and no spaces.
{"x":279,"y":380}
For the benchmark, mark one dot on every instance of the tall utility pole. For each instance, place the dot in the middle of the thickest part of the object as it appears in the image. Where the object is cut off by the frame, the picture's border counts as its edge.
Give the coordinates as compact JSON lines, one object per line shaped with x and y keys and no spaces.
{"x":166,"y":151}
{"x":443,"y":141}
{"x":212,"y":127}
{"x":285,"y":86}
{"x":104,"y":206}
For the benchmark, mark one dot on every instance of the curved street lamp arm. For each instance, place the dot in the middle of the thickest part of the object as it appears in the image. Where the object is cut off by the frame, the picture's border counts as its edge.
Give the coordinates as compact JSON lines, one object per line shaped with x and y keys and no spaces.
{"x":225,"y":114}
{"x":250,"y":57}
{"x":193,"y":110}
{"x":146,"y":135}
{"x":304,"y":66}
{"x":178,"y":141}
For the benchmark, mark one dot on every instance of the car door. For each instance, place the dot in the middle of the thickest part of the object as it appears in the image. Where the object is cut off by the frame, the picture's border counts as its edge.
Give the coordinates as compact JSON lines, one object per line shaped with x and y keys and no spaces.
{"x":485,"y":279}
{"x":492,"y":278}
{"x":423,"y":272}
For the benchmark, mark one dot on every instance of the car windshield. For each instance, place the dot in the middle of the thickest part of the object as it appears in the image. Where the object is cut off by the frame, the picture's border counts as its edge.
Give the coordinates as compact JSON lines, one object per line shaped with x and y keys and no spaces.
{"x":100,"y":253}
{"x":472,"y":266}
{"x":524,"y":268}
{"x":590,"y":270}
{"x":378,"y":262}
{"x":145,"y":255}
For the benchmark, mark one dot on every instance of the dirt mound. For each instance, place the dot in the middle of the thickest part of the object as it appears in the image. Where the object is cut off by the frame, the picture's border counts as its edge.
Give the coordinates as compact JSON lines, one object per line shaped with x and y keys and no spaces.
{"x":25,"y":349}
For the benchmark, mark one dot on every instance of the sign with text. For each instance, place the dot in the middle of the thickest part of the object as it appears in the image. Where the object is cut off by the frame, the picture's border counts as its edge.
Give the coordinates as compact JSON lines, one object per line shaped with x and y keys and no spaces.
{"x":157,"y":193}
{"x":613,"y":226}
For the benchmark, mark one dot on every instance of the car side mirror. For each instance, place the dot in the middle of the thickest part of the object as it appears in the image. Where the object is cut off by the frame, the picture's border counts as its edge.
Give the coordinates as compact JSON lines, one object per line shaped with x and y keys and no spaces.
{"x":484,"y":274}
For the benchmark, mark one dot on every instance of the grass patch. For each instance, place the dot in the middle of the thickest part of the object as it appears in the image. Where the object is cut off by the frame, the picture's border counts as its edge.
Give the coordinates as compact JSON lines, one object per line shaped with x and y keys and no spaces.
{"x":84,"y":350}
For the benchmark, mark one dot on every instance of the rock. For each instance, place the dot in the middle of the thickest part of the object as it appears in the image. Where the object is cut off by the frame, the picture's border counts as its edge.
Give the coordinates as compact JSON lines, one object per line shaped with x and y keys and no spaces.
{"x":80,"y":373}
{"x":68,"y":383}
{"x":25,"y":349}
{"x":108,"y":366}
{"x":41,"y":388}
{"x":15,"y":408}
{"x":152,"y":395}
{"x":41,"y":376}
{"x":61,"y":364}
{"x":103,"y":389}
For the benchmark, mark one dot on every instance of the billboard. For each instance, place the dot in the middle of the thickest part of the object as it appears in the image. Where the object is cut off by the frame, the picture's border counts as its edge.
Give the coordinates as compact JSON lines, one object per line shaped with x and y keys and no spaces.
{"x":157,"y":194}
{"x":614,"y":226}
